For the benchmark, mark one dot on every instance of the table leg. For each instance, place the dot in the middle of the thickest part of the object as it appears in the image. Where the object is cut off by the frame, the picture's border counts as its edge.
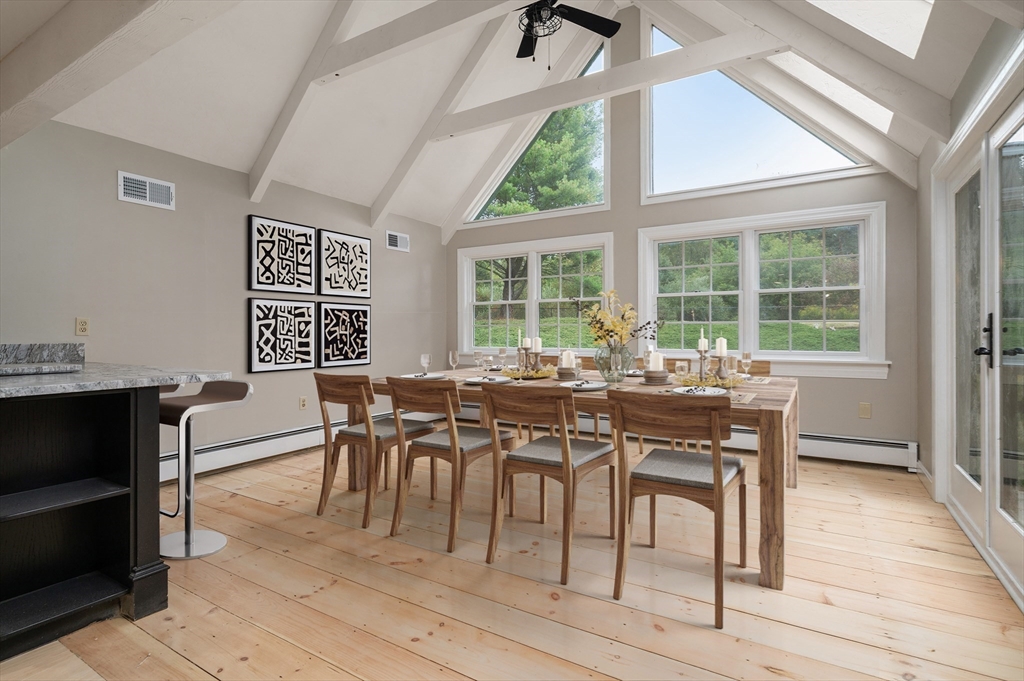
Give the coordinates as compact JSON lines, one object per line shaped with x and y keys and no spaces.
{"x":792,"y":416}
{"x":357,"y":463}
{"x":771,"y":464}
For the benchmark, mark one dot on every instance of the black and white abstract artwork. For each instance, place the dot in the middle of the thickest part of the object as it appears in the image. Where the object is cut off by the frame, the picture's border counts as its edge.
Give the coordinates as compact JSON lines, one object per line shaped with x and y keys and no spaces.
{"x":344,"y":334}
{"x":281,"y":256}
{"x":281,"y":335}
{"x":344,"y":265}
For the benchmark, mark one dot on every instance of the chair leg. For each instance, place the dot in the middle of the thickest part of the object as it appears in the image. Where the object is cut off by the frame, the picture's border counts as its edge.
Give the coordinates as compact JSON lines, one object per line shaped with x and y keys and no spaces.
{"x":462,"y":480}
{"x":743,"y":519}
{"x":568,"y":521}
{"x":404,"y":482}
{"x":433,"y":478}
{"x":511,"y":496}
{"x":654,"y":519}
{"x":611,"y":501}
{"x":625,"y":535}
{"x":543,"y":499}
{"x":455,"y":508}
{"x":501,"y":480}
{"x":719,"y":566}
{"x":373,"y":461}
{"x":330,"y":469}
{"x":387,"y":469}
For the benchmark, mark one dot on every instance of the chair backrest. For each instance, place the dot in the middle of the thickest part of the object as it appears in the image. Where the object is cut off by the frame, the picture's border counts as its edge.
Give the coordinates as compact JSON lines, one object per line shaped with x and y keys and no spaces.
{"x":534,"y":406}
{"x":689,"y":417}
{"x":425,"y":396}
{"x":348,"y":390}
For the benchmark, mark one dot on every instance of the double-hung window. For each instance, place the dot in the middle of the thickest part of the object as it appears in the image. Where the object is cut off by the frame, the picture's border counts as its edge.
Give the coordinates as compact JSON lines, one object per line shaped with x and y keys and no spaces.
{"x":805,"y":290}
{"x":529,"y":289}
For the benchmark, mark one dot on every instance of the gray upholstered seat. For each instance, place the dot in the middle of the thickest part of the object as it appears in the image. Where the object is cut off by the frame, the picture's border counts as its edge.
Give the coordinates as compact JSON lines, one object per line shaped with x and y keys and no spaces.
{"x":385,"y":429}
{"x":693,"y":469}
{"x":547,"y":451}
{"x":470,"y":438}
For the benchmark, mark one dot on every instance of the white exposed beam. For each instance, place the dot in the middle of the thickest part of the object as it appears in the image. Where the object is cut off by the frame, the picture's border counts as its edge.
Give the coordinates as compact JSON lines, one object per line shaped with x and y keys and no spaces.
{"x":1009,"y":11}
{"x":794,"y":98}
{"x":719,"y":53}
{"x":872,"y":79}
{"x":453,"y":94}
{"x":300,"y":99}
{"x":572,"y":61}
{"x":85,"y":46}
{"x":435,"y":21}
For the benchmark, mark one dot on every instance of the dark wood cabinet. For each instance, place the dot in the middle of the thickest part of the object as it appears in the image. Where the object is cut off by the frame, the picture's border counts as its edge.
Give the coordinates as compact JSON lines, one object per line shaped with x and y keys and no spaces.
{"x":79,"y":525}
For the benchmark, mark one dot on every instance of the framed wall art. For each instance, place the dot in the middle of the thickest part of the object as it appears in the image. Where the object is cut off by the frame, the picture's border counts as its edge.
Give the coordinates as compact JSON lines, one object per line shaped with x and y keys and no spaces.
{"x":281,"y":335}
{"x":344,"y":265}
{"x":281,"y":256}
{"x":344,"y":334}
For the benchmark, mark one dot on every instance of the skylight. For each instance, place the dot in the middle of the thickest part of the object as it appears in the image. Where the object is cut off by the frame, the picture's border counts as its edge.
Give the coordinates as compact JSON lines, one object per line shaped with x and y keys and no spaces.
{"x":709,"y":131}
{"x":900,"y":24}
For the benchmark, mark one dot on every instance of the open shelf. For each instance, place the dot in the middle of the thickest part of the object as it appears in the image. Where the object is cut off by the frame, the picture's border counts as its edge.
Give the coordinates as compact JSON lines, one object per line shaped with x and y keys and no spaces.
{"x":54,"y":497}
{"x":24,"y":613}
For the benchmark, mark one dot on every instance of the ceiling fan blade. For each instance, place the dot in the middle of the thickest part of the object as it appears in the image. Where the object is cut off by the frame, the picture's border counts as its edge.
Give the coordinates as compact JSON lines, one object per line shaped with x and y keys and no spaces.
{"x":589,"y":21}
{"x":526,"y":46}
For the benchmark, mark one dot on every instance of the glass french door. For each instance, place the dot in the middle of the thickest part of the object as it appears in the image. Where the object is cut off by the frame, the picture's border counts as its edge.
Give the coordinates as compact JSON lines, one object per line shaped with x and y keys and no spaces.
{"x":987,"y":477}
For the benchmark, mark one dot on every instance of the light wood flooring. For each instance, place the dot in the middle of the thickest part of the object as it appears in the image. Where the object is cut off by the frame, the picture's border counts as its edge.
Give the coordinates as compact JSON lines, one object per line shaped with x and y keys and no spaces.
{"x":880,"y":583}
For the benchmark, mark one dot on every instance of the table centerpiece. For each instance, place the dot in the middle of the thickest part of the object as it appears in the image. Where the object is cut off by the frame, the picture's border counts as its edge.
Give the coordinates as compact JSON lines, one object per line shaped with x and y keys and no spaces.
{"x":614,"y":325}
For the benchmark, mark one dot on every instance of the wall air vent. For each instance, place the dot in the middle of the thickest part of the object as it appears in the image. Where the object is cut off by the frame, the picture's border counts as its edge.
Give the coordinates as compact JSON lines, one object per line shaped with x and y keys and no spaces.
{"x":145,"y":190}
{"x":398,"y":242}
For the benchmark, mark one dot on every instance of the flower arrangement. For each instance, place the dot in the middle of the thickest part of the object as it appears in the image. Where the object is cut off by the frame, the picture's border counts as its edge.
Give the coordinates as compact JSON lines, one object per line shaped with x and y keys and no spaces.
{"x":613,"y":323}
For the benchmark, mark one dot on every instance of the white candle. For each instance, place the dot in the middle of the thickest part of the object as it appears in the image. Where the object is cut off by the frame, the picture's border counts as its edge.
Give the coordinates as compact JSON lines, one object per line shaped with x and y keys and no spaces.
{"x":568,"y":359}
{"x":721,"y":347}
{"x":519,"y":341}
{"x":702,"y":344}
{"x":525,"y":343}
{"x":536,"y":344}
{"x":657,"y":361}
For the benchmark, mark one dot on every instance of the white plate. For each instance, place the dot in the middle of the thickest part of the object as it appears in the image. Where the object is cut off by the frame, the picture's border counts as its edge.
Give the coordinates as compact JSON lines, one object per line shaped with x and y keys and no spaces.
{"x":477,"y":380}
{"x":699,"y":390}
{"x":584,"y":386}
{"x":424,"y":377}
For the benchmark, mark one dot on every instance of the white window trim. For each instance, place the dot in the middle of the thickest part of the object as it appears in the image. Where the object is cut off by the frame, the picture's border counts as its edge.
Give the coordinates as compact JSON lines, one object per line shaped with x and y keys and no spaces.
{"x":869,"y":363}
{"x":648,"y":197}
{"x":532,"y":250}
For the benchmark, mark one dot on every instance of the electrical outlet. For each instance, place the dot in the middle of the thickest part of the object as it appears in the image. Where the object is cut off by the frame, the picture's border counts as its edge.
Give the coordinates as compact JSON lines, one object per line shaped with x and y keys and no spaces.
{"x":302,"y":403}
{"x":864,"y":410}
{"x":81,"y":326}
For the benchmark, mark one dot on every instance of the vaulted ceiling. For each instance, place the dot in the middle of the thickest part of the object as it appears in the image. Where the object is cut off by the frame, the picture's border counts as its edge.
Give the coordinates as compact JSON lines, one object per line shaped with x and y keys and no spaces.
{"x":405,"y":125}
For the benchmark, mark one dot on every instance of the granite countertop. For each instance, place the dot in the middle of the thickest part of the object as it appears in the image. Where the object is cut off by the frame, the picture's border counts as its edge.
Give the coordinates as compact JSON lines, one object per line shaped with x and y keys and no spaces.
{"x":101,"y":376}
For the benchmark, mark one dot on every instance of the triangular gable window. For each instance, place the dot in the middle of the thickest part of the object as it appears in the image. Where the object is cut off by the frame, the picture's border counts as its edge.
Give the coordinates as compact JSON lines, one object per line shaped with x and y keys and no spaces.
{"x":708,"y":131}
{"x":563,"y":167}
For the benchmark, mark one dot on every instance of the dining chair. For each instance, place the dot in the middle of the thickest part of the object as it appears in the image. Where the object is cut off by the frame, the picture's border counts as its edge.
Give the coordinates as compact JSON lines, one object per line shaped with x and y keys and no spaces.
{"x":378,"y":437}
{"x":707,"y":479}
{"x":562,"y":458}
{"x":459,"y":445}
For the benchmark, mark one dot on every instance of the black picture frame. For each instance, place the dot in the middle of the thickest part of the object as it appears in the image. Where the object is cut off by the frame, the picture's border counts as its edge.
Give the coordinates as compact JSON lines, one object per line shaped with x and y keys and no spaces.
{"x":278,"y":255}
{"x":332,"y":262}
{"x":332,"y":352}
{"x":304,"y":334}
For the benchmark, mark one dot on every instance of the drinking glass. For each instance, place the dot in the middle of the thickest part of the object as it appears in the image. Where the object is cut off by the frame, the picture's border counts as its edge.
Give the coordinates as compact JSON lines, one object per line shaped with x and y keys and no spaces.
{"x":478,"y":356}
{"x":453,"y":358}
{"x":488,"y":362}
{"x":745,"y":362}
{"x":732,"y":361}
{"x":682,"y":369}
{"x":425,"y":361}
{"x":578,"y":368}
{"x":502,"y":355}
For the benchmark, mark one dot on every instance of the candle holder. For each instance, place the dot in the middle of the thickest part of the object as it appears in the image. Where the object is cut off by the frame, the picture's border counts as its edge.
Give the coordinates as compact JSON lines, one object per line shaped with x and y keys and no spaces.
{"x":533,"y":361}
{"x":702,"y":371}
{"x":722,"y":372}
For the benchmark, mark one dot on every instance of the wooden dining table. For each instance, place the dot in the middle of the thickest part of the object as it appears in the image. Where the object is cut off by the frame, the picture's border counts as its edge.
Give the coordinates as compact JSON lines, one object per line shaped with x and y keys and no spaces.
{"x":772,"y":412}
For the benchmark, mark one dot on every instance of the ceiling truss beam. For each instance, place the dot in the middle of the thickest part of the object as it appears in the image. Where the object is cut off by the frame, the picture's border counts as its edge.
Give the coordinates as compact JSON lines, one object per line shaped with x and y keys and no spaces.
{"x":85,"y":46}
{"x":425,"y":25}
{"x":897,"y":93}
{"x":453,"y":94}
{"x":1009,"y":11}
{"x":301,"y":98}
{"x":718,"y":53}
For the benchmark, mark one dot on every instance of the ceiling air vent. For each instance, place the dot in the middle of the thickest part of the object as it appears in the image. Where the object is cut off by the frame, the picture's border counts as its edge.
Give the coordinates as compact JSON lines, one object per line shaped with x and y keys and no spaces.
{"x":145,"y":190}
{"x":398,"y":242}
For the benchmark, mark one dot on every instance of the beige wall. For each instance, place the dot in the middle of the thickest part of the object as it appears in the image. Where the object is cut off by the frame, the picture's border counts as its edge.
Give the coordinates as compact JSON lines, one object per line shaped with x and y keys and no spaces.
{"x":169,"y":288}
{"x":990,"y":57}
{"x":827,"y":405}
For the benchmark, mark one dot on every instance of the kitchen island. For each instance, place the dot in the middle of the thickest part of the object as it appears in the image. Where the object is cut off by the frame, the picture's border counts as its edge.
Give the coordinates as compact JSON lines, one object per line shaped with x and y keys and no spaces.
{"x":79,"y":495}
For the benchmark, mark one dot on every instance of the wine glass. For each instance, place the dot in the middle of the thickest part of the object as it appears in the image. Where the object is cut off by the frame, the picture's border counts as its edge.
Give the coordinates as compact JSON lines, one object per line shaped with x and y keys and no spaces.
{"x":682,"y":370}
{"x":578,"y":368}
{"x":425,"y":362}
{"x":478,"y":356}
{"x":453,"y":358}
{"x":488,"y":362}
{"x":745,"y":362}
{"x":502,"y":355}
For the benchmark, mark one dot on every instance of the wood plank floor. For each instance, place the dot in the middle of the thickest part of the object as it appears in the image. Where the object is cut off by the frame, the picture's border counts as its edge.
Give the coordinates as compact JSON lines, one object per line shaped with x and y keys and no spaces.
{"x":880,"y":583}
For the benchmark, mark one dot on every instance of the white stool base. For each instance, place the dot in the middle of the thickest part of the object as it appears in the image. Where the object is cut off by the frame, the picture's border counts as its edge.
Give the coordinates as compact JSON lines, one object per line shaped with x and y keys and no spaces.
{"x":204,"y":543}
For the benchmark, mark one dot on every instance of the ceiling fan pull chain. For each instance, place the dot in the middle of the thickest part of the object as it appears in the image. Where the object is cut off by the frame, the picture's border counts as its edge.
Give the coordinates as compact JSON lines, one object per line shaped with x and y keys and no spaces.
{"x":549,"y":53}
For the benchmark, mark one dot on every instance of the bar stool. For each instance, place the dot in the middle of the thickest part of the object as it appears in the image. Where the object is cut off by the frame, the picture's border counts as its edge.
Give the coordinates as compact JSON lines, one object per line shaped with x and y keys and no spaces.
{"x":178,"y":411}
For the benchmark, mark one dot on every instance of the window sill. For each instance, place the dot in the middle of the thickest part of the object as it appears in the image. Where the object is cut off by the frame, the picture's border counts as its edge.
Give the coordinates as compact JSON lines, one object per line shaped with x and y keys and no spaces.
{"x":829,"y":368}
{"x":539,"y":215}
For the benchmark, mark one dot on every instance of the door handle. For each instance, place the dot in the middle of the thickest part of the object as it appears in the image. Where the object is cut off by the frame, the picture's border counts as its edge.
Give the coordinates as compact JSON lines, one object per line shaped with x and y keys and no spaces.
{"x":984,"y":350}
{"x":1013,"y":352}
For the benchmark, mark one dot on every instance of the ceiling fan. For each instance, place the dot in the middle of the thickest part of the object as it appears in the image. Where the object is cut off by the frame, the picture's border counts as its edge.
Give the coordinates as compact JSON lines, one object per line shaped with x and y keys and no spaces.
{"x":543,"y":18}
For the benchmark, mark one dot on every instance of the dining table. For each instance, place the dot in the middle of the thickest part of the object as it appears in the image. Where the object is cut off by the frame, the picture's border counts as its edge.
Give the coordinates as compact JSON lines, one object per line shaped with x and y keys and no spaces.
{"x":766,"y":405}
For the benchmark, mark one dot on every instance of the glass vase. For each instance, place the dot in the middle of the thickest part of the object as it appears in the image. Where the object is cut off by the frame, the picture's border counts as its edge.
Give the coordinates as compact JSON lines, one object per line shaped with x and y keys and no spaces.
{"x":613,"y":361}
